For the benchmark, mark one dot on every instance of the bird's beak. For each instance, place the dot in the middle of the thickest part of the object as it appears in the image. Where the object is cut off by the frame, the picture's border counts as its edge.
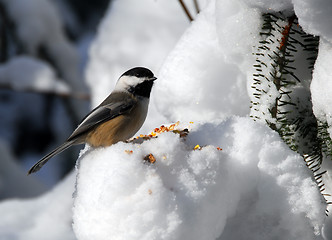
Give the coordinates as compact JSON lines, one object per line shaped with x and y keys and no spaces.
{"x":153,"y":79}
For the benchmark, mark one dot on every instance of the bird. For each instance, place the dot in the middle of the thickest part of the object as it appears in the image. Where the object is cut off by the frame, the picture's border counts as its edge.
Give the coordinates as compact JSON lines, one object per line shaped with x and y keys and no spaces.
{"x":117,"y":118}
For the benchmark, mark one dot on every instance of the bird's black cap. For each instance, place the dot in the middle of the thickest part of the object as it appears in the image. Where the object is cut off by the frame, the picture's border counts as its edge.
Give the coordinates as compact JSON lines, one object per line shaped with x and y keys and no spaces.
{"x":139,"y":72}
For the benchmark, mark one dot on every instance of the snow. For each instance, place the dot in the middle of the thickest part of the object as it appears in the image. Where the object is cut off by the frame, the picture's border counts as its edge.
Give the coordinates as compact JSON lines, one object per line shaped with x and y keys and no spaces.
{"x":322,"y":109}
{"x":33,"y":75}
{"x":254,"y":188}
{"x":39,"y":28}
{"x":47,"y":217}
{"x":196,"y":69}
{"x":13,"y":182}
{"x":314,"y":17}
{"x":270,"y":5}
{"x":195,"y":194}
{"x":229,"y":17}
{"x":43,"y":28}
{"x":320,"y":84}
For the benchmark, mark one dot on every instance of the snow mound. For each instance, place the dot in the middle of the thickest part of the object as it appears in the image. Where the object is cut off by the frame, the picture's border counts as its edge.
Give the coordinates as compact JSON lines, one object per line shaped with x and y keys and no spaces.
{"x":197,"y":194}
{"x":199,"y":78}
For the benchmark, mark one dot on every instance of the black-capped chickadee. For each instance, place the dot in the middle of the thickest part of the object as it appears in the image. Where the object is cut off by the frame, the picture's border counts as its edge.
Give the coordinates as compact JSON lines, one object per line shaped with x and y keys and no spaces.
{"x":116,"y":119}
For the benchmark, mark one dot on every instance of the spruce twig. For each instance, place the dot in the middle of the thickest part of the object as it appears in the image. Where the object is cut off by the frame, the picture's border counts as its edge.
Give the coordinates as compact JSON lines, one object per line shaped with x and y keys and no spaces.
{"x":275,"y":81}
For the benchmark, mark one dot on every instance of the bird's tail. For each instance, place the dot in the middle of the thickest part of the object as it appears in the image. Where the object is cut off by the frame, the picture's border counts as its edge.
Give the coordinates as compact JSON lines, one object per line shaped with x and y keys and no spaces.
{"x":38,"y":165}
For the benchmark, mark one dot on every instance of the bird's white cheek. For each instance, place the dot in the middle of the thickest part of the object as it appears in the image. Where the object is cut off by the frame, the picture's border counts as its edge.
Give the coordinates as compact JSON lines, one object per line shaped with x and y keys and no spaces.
{"x":125,"y":82}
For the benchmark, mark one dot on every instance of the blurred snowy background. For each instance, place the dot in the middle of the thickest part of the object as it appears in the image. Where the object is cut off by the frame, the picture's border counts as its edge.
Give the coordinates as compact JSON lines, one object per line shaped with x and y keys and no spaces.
{"x":59,"y":59}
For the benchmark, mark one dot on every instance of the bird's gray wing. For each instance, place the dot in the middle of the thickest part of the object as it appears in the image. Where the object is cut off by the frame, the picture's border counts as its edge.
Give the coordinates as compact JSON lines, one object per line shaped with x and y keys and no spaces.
{"x":101,"y":114}
{"x":106,"y":111}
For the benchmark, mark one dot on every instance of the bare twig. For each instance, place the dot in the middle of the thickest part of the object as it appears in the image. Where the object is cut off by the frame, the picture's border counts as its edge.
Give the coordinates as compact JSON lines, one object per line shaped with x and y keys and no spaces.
{"x":196,"y":6}
{"x":3,"y":36}
{"x":185,"y":9}
{"x":79,"y":96}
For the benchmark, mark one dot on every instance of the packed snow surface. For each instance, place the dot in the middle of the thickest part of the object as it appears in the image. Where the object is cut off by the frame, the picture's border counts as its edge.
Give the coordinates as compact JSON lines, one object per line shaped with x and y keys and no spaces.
{"x":198,"y":194}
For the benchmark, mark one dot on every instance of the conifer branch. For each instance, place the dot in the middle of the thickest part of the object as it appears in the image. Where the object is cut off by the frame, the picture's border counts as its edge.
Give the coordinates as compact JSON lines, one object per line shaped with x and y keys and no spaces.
{"x":275,"y":100}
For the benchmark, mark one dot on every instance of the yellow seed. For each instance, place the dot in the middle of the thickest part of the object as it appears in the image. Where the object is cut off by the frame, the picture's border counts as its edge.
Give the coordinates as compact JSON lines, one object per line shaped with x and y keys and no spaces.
{"x":129,"y":151}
